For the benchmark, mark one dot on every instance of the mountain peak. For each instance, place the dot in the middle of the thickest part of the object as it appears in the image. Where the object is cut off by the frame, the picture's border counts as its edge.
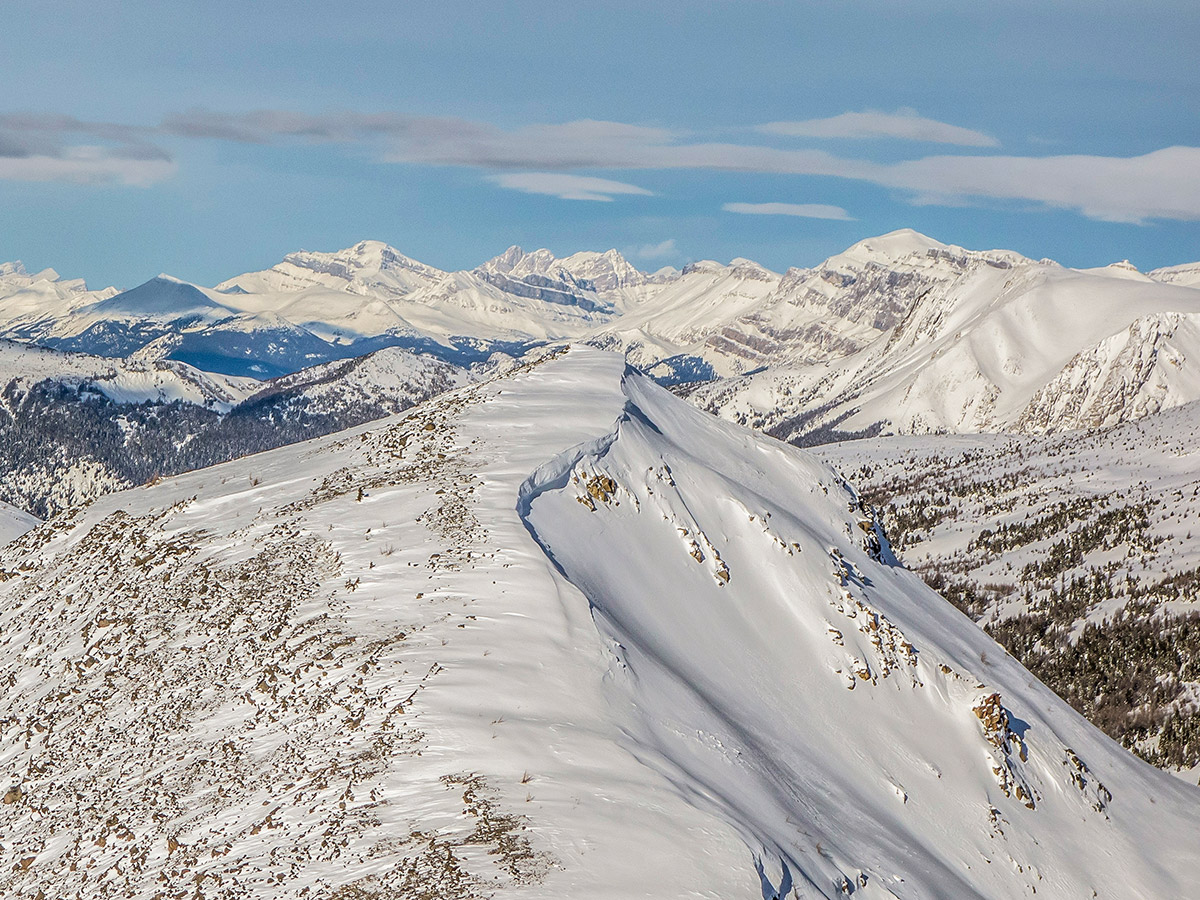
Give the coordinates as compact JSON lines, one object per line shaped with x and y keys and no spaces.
{"x":505,"y":262}
{"x":368,"y":256}
{"x":896,"y":244}
{"x":1122,"y":269}
{"x":603,"y":271}
{"x":162,"y":295}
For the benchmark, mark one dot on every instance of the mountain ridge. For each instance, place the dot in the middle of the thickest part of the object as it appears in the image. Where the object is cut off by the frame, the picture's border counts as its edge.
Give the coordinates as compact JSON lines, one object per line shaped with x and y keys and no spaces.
{"x":865,"y":341}
{"x":452,"y":587}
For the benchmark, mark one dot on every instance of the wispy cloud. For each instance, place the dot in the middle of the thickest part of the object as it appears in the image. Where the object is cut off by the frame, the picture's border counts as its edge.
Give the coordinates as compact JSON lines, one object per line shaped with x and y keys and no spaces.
{"x":904,"y":124}
{"x":62,"y":148}
{"x":82,"y":167}
{"x":542,"y":158}
{"x":1164,"y":184}
{"x":661,"y":250}
{"x":265,"y":126}
{"x":566,"y":187}
{"x":803,"y":210}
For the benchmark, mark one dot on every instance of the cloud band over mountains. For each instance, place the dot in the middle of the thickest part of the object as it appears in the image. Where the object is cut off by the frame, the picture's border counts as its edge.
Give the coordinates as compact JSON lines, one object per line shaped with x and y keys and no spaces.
{"x":548,"y":158}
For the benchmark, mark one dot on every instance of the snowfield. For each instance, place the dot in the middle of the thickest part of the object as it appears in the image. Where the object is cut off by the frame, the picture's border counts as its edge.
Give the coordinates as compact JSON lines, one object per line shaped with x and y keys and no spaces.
{"x":555,"y":635}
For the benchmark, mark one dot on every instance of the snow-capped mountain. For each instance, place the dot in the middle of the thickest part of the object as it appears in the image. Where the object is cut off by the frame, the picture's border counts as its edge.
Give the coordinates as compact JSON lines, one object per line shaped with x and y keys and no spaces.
{"x":74,"y":427}
{"x":1187,"y":274}
{"x":167,"y":318}
{"x":676,"y":328}
{"x":926,"y":337}
{"x":898,"y":333}
{"x":558,"y":635}
{"x":369,"y":267}
{"x":607,"y":273}
{"x":42,"y":296}
{"x":371,"y":290}
{"x":316,"y":307}
{"x":130,"y":380}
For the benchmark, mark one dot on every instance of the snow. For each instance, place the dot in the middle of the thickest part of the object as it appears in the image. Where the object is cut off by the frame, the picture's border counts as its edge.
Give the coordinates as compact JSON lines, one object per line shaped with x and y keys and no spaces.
{"x":1187,"y":274}
{"x":556,"y":635}
{"x":975,"y":341}
{"x":1018,"y":478}
{"x":14,"y":522}
{"x":122,"y":380}
{"x":899,"y":332}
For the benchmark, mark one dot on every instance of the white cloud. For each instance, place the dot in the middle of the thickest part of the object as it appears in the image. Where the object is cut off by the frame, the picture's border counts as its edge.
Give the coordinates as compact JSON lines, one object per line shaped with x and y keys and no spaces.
{"x":566,"y":187}
{"x":804,"y":210}
{"x":1164,"y":184}
{"x":904,"y":124}
{"x":35,"y":147}
{"x":86,"y":165}
{"x":657,"y":251}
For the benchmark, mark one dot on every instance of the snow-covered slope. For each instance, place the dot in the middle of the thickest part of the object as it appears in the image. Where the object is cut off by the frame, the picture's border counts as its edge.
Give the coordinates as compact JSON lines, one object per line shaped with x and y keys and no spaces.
{"x":1038,"y":537}
{"x":14,"y":522}
{"x":966,"y":341}
{"x":1186,"y":274}
{"x":560,"y":635}
{"x":121,"y":380}
{"x":678,"y":328}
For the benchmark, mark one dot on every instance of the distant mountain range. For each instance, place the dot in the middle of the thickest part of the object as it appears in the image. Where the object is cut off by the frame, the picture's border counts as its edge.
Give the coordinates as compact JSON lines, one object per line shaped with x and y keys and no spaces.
{"x":899,"y":333}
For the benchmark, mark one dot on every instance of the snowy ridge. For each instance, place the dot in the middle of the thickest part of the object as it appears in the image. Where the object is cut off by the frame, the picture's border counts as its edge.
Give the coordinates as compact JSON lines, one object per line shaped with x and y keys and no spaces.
{"x":715,"y":684}
{"x":387,"y":378}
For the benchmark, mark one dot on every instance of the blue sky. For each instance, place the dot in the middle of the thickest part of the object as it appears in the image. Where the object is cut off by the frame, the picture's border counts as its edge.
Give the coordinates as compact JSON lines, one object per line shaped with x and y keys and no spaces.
{"x":209,"y":139}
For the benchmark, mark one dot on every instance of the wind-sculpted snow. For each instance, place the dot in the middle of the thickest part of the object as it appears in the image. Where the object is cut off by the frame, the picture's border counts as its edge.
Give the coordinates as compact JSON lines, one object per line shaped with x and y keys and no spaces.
{"x":347,"y":669}
{"x":860,"y":734}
